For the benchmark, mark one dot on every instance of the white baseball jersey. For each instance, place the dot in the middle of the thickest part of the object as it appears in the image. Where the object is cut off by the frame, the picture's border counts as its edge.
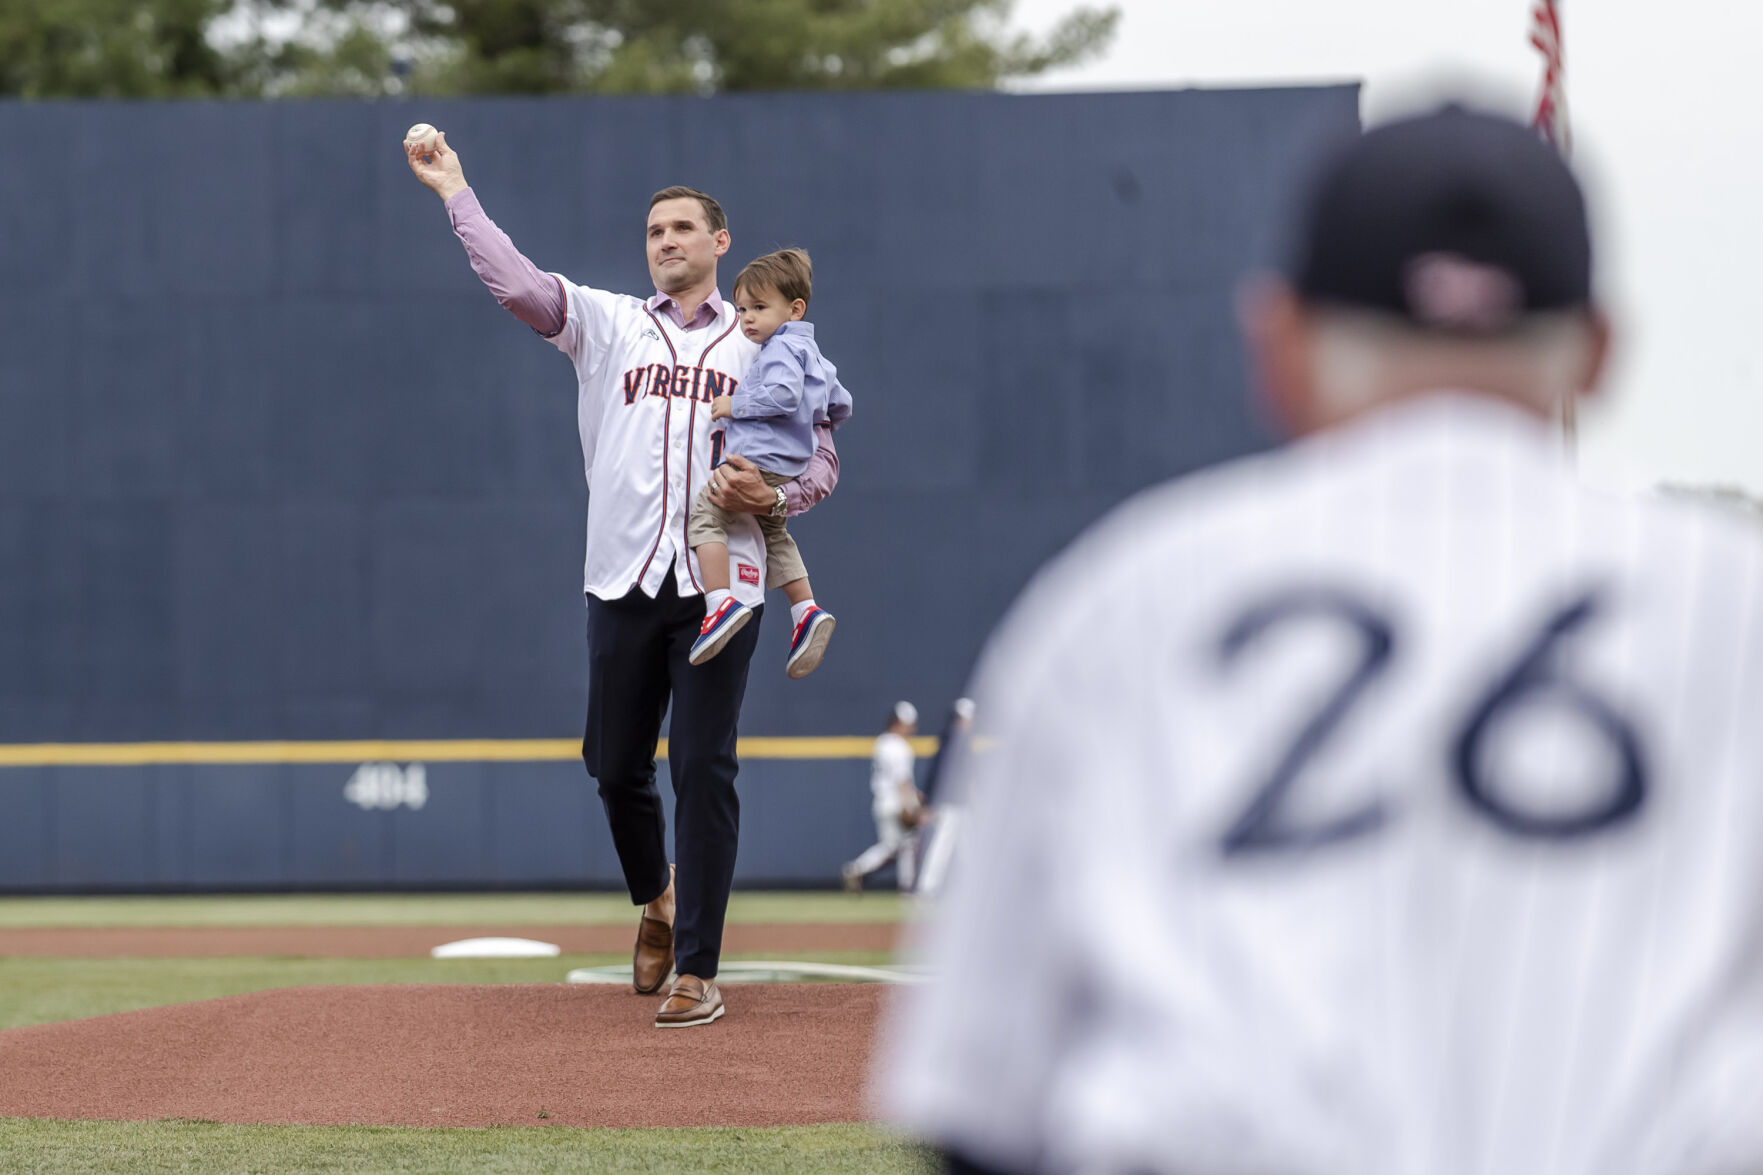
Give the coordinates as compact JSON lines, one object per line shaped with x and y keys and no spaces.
{"x":643,"y":396}
{"x":1388,"y":804}
{"x":892,"y":762}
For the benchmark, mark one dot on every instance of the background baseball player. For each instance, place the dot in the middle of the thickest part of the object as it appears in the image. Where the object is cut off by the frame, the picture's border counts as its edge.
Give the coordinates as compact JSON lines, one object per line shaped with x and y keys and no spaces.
{"x":895,"y":803}
{"x":1388,"y":804}
{"x":943,"y":808}
{"x":646,"y":372}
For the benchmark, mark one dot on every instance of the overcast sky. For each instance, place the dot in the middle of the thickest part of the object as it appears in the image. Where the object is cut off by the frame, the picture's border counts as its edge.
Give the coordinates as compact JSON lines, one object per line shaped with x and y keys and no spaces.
{"x":1664,"y":120}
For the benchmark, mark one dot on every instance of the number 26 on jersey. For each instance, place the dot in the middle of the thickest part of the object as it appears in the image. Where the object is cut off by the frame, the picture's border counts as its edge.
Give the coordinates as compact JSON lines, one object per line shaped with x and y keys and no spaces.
{"x":1264,"y":823}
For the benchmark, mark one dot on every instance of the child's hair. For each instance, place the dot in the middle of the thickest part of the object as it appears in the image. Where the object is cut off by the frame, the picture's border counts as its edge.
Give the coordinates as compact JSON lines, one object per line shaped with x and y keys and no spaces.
{"x":788,"y":271}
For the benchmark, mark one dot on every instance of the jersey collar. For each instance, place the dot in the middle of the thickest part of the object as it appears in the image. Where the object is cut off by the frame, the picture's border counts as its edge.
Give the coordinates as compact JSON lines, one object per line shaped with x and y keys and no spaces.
{"x":709,"y":311}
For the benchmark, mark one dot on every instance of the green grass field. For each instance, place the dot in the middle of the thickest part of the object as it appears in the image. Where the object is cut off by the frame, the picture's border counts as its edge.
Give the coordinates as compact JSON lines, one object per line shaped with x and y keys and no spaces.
{"x":209,"y":1148}
{"x":46,"y":990}
{"x":35,"y":990}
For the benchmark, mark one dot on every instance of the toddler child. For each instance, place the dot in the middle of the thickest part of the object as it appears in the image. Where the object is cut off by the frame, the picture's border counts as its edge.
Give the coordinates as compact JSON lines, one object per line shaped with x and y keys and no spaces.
{"x":771,"y":416}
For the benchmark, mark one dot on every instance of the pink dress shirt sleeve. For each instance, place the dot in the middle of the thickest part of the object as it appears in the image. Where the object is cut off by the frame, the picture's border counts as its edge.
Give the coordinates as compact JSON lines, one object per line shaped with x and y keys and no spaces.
{"x":526,"y":291}
{"x":819,"y":479}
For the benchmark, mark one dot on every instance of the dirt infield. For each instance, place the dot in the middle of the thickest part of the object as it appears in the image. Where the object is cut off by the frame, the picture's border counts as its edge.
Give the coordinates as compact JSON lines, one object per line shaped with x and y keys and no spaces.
{"x":433,"y":1055}
{"x":369,"y":942}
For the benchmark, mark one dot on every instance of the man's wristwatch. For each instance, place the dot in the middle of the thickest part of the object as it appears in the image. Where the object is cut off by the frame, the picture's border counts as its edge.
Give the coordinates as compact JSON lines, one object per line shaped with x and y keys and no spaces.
{"x":778,"y":507}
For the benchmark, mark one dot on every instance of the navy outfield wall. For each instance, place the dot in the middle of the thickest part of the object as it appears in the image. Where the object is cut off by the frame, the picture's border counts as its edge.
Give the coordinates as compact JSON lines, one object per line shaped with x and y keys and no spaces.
{"x":413,"y":822}
{"x":274,"y":466}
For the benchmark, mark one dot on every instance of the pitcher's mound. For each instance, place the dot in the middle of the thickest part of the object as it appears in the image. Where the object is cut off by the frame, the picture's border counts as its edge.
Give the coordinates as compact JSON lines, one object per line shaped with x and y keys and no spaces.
{"x":432,"y":1055}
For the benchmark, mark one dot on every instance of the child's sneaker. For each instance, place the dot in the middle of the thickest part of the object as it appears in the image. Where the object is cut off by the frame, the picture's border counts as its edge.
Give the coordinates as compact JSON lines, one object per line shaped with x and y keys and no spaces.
{"x":808,"y":644}
{"x":718,"y":627}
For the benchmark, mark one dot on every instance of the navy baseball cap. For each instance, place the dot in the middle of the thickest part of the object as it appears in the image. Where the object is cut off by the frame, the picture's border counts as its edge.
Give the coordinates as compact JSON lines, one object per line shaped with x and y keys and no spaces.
{"x":1456,"y":221}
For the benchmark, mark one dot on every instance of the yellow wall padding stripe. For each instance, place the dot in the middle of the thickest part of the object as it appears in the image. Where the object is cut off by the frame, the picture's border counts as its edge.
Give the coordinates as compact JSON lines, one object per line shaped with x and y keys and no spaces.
{"x":479,"y":750}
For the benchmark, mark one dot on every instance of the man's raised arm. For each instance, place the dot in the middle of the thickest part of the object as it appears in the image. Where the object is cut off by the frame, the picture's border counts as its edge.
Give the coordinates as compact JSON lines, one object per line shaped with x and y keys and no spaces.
{"x":527,"y":292}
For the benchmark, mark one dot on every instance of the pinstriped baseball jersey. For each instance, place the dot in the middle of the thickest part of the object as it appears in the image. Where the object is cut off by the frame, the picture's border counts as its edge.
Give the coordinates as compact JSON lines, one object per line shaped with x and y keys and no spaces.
{"x":643,"y":396}
{"x":1388,"y":804}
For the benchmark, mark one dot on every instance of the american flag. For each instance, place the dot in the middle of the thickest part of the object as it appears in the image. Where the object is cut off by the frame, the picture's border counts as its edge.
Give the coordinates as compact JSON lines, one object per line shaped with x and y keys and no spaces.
{"x":1550,"y":120}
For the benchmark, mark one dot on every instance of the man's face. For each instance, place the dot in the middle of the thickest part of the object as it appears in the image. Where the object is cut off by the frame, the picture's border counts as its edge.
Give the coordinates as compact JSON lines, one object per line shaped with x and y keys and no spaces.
{"x":682,"y":249}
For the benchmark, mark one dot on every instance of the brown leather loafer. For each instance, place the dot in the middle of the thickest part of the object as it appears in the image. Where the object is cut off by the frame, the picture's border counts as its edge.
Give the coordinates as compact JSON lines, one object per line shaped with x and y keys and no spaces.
{"x":692,"y":1001}
{"x":653,"y":957}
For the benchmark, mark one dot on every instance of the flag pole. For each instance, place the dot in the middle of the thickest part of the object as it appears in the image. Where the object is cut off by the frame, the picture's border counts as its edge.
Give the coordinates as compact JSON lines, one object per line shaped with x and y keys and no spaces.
{"x":1550,"y":121}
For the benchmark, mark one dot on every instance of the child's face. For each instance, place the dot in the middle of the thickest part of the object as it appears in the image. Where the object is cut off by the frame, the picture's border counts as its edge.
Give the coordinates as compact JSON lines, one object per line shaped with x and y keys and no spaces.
{"x":762,"y":310}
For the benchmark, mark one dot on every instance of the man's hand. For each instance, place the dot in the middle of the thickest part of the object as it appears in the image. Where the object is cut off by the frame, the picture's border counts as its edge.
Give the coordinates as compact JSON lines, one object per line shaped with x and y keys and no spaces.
{"x":912,"y":809}
{"x":736,"y":486}
{"x":439,"y":171}
{"x":722,"y":407}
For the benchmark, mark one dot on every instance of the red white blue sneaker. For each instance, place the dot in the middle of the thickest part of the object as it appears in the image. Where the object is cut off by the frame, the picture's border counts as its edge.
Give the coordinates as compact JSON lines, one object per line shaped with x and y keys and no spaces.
{"x":809,"y":643}
{"x":718,"y":627}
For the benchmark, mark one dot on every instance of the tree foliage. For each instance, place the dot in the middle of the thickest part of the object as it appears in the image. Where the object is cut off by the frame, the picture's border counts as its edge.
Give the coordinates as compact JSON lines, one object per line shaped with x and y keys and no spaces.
{"x":155,"y":48}
{"x":111,"y":49}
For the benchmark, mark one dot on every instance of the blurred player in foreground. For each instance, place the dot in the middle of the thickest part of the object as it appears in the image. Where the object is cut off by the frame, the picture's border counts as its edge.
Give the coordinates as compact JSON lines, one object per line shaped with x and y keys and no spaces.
{"x":1388,"y":803}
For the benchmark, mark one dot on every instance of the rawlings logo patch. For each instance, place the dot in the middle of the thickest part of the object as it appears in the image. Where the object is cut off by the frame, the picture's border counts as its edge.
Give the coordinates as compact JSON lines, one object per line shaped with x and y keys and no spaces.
{"x":749,"y":573}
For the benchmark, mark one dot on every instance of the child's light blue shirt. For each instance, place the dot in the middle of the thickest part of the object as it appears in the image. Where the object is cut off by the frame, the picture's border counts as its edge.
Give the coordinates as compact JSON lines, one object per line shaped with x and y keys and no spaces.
{"x":789,"y":388}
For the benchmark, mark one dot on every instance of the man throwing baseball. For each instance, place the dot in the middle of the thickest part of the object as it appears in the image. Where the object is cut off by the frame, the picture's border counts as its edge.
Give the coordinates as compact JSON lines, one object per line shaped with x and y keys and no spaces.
{"x":646,"y":373}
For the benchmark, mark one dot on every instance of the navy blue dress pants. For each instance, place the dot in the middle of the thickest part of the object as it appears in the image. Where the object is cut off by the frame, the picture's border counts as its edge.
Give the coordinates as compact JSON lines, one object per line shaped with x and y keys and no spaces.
{"x":637,"y":650}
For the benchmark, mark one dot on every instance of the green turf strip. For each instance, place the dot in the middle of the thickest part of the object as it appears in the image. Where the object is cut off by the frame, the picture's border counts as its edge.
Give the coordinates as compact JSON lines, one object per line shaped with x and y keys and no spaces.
{"x":75,"y":1148}
{"x":511,"y":909}
{"x":49,"y":990}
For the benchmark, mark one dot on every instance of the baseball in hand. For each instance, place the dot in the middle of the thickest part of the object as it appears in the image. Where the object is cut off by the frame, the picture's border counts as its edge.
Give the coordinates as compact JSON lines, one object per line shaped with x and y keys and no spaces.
{"x":422,"y":137}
